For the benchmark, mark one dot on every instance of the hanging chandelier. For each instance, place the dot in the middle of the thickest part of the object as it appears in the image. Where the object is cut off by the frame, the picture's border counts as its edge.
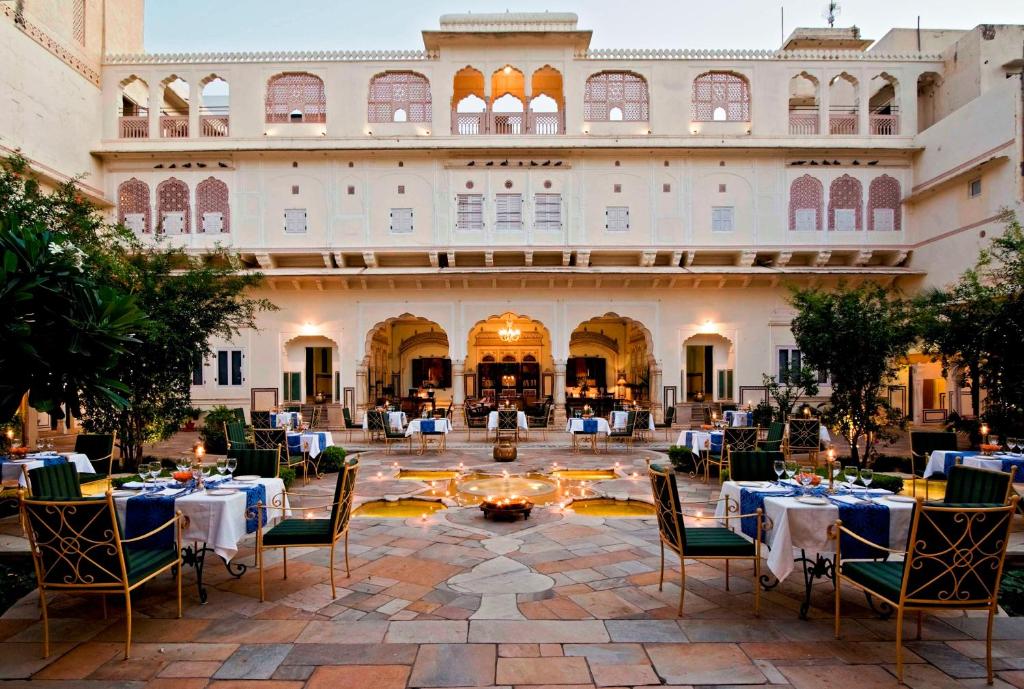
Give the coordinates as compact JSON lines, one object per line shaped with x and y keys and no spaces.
{"x":509,"y":333}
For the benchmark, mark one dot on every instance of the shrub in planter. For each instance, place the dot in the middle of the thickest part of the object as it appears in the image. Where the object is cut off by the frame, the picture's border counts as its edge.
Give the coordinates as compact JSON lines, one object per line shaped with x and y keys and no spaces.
{"x":331,"y":459}
{"x":682,"y":458}
{"x":212,"y":432}
{"x":287,"y":474}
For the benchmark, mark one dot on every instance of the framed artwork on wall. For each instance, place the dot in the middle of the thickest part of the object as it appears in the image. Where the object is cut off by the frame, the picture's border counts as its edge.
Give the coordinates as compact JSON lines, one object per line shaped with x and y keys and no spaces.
{"x":262,"y":399}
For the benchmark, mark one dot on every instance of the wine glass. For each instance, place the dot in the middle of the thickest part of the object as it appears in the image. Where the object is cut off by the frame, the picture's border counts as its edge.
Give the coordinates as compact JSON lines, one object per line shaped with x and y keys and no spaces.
{"x":837,"y":470}
{"x":49,"y":444}
{"x":791,"y":469}
{"x":40,"y":445}
{"x":231,"y":465}
{"x":806,"y":477}
{"x":850,"y":473}
{"x":154,"y":473}
{"x":222,"y":466}
{"x":780,"y":469}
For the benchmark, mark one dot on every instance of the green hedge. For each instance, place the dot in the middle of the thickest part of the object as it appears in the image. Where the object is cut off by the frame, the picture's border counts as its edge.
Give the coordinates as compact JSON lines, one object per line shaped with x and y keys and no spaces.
{"x":331,"y":459}
{"x":682,"y":458}
{"x":212,"y":432}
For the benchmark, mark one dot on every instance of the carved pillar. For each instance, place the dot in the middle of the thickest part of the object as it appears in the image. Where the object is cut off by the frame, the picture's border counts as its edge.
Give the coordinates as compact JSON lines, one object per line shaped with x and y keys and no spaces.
{"x":864,"y":106}
{"x":656,"y":391}
{"x":459,"y":396}
{"x":559,"y":390}
{"x":361,"y":387}
{"x":156,"y":101}
{"x":916,"y":392}
{"x":195,"y":98}
{"x":823,"y":106}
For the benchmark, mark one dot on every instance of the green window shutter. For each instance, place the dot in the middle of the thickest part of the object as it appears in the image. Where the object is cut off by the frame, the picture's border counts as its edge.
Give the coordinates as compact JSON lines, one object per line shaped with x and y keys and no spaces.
{"x":725,"y":382}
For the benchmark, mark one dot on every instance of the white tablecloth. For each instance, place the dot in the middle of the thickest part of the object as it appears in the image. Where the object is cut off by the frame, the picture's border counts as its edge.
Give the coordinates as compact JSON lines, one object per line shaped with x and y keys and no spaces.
{"x":576,"y":426}
{"x":699,"y":440}
{"x":440,"y":426}
{"x":12,"y":470}
{"x":737,"y":418}
{"x":217,"y":520}
{"x":799,"y":526}
{"x":823,"y":433}
{"x":619,"y":420}
{"x":282,"y":419}
{"x":492,"y":421}
{"x":311,"y":441}
{"x":396,"y":419}
{"x":938,"y":458}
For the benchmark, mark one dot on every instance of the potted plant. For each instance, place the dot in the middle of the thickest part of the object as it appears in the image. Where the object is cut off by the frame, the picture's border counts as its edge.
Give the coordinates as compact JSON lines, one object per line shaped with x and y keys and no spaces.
{"x":193,"y":416}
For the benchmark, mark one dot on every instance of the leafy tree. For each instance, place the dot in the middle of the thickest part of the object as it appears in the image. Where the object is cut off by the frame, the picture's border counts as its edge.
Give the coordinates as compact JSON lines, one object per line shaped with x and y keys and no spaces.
{"x":63,"y":327}
{"x":793,"y":384}
{"x":189,"y":299}
{"x":858,"y":335}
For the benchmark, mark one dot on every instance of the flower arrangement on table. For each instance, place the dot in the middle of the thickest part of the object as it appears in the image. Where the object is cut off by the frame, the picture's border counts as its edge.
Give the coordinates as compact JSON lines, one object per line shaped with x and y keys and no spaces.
{"x":989,"y":448}
{"x":588,"y":411}
{"x":19,"y":451}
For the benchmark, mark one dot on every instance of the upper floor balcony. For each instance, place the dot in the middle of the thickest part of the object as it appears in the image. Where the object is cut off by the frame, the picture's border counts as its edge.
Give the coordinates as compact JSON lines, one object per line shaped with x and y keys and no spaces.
{"x":641,"y":98}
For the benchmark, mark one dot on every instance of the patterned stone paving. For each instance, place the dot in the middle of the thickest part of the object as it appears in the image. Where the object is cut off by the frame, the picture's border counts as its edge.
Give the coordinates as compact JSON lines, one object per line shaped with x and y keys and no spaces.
{"x":454,"y":601}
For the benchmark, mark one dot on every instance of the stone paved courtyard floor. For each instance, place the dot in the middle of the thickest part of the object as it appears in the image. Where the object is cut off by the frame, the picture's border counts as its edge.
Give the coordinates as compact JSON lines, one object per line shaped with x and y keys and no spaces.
{"x":456,"y":601}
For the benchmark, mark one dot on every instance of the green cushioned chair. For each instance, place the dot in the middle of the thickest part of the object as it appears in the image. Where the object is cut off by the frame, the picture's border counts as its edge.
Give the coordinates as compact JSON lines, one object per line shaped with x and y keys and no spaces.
{"x":260,"y":419}
{"x":295,"y":532}
{"x":670,"y":419}
{"x":236,"y":435}
{"x":753,"y":466}
{"x":77,"y":548}
{"x":734,"y":439}
{"x":380,"y":423}
{"x":700,"y":543}
{"x":55,"y":482}
{"x":953,"y":561}
{"x":239,"y":415}
{"x":277,"y":439}
{"x":99,"y":448}
{"x":252,"y":462}
{"x":971,"y":485}
{"x":773,"y":440}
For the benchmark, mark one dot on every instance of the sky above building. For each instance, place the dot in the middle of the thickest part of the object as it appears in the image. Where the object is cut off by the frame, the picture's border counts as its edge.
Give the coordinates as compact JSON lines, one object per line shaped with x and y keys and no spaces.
{"x":233,"y":25}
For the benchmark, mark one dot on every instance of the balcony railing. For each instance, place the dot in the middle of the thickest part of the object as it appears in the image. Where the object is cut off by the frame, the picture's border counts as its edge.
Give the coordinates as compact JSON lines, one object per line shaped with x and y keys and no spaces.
{"x":174,"y":126}
{"x":508,"y":123}
{"x":842,"y":123}
{"x":885,"y":125}
{"x":134,"y":127}
{"x":213,"y":125}
{"x":803,"y":122}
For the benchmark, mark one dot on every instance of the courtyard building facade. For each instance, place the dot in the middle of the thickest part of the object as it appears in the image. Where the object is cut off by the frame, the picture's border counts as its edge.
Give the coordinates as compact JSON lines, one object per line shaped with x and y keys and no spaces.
{"x":506,"y":213}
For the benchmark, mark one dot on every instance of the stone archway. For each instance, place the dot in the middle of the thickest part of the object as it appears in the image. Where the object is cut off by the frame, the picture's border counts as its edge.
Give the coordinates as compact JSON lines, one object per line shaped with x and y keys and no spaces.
{"x":709,"y":360}
{"x":310,"y":363}
{"x":510,"y":365}
{"x":406,"y":358}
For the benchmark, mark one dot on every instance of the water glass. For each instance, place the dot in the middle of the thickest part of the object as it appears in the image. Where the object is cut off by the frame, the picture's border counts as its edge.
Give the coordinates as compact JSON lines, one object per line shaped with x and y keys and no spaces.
{"x":780,"y":468}
{"x":791,"y":469}
{"x":232,"y":464}
{"x":850,"y":473}
{"x":806,"y":477}
{"x":866,"y":476}
{"x":222,"y":466}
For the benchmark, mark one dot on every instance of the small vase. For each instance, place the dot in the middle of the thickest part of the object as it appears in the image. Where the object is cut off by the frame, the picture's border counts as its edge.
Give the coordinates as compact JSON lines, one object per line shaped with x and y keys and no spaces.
{"x":505,"y":451}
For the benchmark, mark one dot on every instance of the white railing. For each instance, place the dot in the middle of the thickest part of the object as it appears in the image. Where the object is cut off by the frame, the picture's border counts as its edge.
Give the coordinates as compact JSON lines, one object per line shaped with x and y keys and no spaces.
{"x":213,"y":125}
{"x":545,"y":123}
{"x":740,"y":54}
{"x":174,"y":126}
{"x":134,"y":127}
{"x":270,"y":56}
{"x":804,"y":122}
{"x":508,"y":123}
{"x":469,"y":123}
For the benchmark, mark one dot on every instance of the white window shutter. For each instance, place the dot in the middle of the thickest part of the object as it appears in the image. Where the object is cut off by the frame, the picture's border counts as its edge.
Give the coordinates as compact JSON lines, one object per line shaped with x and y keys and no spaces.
{"x":806,"y":219}
{"x":136,"y":222}
{"x":213,"y":222}
{"x":883,"y":219}
{"x":172,"y":222}
{"x":846,"y":219}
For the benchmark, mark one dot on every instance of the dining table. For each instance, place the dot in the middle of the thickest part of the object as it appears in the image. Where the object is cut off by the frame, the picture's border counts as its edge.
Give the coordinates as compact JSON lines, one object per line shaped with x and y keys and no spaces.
{"x":620,"y":417}
{"x":941,"y":461}
{"x":699,"y":441}
{"x":14,"y":469}
{"x":492,"y":421}
{"x":285,"y":419}
{"x":738,"y":418}
{"x":309,"y":442}
{"x":396,"y":419}
{"x":798,"y":525}
{"x":218,"y":517}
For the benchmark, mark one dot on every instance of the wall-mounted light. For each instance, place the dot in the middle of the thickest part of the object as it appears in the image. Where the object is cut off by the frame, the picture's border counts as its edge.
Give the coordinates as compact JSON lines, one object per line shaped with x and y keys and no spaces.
{"x":310,"y":328}
{"x":507,"y":70}
{"x":708,"y":327}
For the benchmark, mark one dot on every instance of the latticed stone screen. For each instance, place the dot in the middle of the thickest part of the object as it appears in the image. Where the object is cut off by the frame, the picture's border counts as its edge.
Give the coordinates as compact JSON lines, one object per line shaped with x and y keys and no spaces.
{"x":296,"y":96}
{"x":399,"y":91}
{"x":725,"y":92}
{"x":845,"y":204}
{"x":806,"y":203}
{"x":884,"y":204}
{"x":606,"y":91}
{"x":212,"y":206}
{"x":133,"y":205}
{"x":172,"y":199}
{"x":78,"y":21}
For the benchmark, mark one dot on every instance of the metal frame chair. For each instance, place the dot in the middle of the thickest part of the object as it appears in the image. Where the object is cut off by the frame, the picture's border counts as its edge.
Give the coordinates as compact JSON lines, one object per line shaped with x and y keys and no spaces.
{"x":953,"y":561}
{"x":804,"y":437}
{"x":626,"y":435}
{"x":102,"y":445}
{"x":236,"y":436}
{"x":76,"y":547}
{"x":922,"y":444}
{"x":701,"y":543}
{"x":740,"y":439}
{"x":508,"y":425}
{"x":299,"y":532}
{"x":474,"y":422}
{"x":666,"y":425}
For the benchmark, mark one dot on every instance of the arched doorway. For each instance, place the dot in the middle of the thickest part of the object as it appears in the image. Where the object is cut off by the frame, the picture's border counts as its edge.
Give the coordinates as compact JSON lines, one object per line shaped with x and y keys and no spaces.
{"x":709,"y":364}
{"x":611,"y":360}
{"x":509,"y":358}
{"x":309,"y":370}
{"x":406,"y":360}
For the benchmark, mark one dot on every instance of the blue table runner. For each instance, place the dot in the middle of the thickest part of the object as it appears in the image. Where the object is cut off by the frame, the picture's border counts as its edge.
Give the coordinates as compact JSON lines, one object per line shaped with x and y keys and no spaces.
{"x":590,"y":425}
